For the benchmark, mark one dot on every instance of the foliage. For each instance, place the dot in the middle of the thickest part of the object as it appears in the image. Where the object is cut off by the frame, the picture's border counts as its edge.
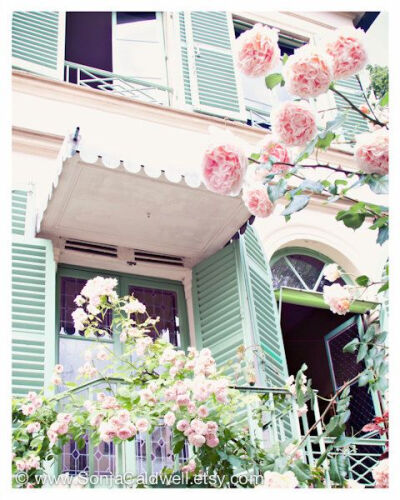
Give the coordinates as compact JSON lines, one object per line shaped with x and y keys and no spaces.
{"x":379,"y":76}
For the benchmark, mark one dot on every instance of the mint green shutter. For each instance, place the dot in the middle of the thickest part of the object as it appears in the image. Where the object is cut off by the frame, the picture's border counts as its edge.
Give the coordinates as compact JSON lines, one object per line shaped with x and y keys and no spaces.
{"x":38,"y":42}
{"x":208,"y":67}
{"x":33,"y":314}
{"x":234,"y":304}
{"x":19,"y":200}
{"x":354,"y":123}
{"x":263,"y":309}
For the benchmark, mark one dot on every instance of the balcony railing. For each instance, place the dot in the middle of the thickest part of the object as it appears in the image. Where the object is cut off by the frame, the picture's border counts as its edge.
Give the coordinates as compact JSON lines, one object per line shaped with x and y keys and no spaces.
{"x":115,"y":84}
{"x":148,"y":454}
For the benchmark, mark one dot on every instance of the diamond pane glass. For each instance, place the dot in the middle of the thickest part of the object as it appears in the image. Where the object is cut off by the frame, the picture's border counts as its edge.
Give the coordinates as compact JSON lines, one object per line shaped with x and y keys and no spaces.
{"x":75,"y":460}
{"x":162,"y":303}
{"x":283,"y":276}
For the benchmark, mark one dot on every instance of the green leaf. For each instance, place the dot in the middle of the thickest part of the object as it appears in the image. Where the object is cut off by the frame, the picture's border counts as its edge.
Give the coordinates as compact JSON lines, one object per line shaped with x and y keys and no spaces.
{"x":353,"y":220}
{"x":314,"y":186}
{"x":379,"y":184}
{"x":275,"y":191}
{"x":362,"y":280}
{"x":298,"y":202}
{"x":351,"y":347}
{"x":383,"y":235}
{"x":307,"y":151}
{"x":178,"y":446}
{"x":273,"y":80}
{"x":337,"y":469}
{"x":285,"y":57}
{"x":325,"y":142}
{"x":362,"y":352}
{"x":385,"y":100}
{"x":384,"y":287}
{"x":255,"y":156}
{"x":301,"y":471}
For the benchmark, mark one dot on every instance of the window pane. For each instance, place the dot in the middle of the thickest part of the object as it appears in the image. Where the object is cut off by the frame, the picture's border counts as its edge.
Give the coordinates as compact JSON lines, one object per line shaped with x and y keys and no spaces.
{"x":282,"y":276}
{"x":308,"y":268}
{"x":69,"y":289}
{"x":324,"y":282}
{"x":162,"y":303}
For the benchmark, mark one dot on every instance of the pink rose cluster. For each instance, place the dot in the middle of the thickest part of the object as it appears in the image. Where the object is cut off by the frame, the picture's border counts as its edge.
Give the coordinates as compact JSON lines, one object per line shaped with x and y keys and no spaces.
{"x":274,"y":479}
{"x":347,"y":49}
{"x":90,"y":296}
{"x":25,"y":464}
{"x":59,"y":427}
{"x":190,"y":467}
{"x":338,"y":298}
{"x":257,"y":200}
{"x":199,"y":432}
{"x":57,"y":370}
{"x":308,"y":72}
{"x":272,"y":150}
{"x":223,"y":168}
{"x":34,"y":402}
{"x":372,"y":152}
{"x":258,"y":51}
{"x":294,"y":123}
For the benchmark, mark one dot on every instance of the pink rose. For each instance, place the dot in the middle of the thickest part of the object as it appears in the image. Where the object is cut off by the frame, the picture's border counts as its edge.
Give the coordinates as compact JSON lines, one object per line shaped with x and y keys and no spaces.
{"x":258,"y":51}
{"x":196,"y":440}
{"x":372,"y":152}
{"x":272,"y":149}
{"x":96,"y":420}
{"x":58,"y":368}
{"x":346,"y":47}
{"x":294,"y":123}
{"x":198,"y":426}
{"x":123,"y":416}
{"x":169,"y":419}
{"x":28,"y":409}
{"x":292,"y":451}
{"x":338,"y":298}
{"x":223,"y":169}
{"x":56,"y":380}
{"x":32,"y":396}
{"x":182,"y":425}
{"x":308,"y":72}
{"x":52,"y":435}
{"x":125,"y":433}
{"x":107,"y":432}
{"x":102,"y":354}
{"x":212,"y":427}
{"x":183,"y":399}
{"x":381,"y":474}
{"x":142,"y":425}
{"x":202,"y":411}
{"x":33,"y":427}
{"x":257,"y":201}
{"x":211,"y":440}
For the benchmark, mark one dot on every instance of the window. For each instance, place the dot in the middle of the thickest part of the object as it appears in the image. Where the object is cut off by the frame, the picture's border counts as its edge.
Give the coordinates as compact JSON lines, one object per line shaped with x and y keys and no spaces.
{"x":301,"y":269}
{"x":162,"y":298}
{"x":258,"y":99}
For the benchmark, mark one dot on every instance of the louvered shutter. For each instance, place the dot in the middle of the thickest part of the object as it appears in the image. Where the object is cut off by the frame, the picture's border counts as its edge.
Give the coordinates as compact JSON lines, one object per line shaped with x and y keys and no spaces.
{"x":218,"y":304}
{"x":354,"y":123}
{"x":33,"y":313}
{"x":38,"y":42}
{"x":19,"y":200}
{"x":209,"y":75}
{"x":263,"y":309}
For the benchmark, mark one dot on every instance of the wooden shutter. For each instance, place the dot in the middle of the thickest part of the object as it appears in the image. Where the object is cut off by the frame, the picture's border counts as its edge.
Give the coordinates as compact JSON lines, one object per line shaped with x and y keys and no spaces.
{"x":19,"y":201}
{"x":263,"y":309}
{"x":38,"y":42}
{"x":208,"y":68}
{"x":354,"y":123}
{"x":33,"y":314}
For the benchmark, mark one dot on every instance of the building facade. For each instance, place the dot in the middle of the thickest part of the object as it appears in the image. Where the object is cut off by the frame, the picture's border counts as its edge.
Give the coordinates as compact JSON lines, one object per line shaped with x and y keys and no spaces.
{"x":111,"y":113}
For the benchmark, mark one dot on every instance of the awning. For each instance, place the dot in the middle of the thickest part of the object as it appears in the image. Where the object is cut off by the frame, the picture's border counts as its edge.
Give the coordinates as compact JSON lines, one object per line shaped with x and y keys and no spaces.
{"x":102,"y":200}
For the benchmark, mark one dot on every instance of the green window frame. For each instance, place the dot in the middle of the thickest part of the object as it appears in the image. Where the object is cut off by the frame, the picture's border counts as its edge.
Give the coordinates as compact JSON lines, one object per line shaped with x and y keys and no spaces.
{"x":124,"y":281}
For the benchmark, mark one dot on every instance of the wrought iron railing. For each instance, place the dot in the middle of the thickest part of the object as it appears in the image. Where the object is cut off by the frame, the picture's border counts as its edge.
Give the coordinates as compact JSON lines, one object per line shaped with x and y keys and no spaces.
{"x":148,"y":454}
{"x":257,"y":117}
{"x":115,"y":84}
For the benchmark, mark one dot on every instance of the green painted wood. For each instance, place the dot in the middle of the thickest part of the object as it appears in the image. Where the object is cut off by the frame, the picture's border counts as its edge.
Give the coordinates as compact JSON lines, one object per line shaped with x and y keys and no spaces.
{"x":263,"y":309}
{"x":32,"y":299}
{"x":19,"y":200}
{"x":354,"y":123}
{"x":208,"y":67}
{"x":315,"y":299}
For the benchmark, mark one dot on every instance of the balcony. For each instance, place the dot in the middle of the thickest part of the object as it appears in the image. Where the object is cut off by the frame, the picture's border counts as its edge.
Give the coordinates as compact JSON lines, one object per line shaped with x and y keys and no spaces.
{"x":148,"y":454}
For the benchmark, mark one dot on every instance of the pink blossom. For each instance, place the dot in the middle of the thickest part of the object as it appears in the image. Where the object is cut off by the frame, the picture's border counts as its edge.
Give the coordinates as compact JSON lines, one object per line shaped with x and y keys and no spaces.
{"x":196,"y":440}
{"x":302,"y":410}
{"x":183,"y":399}
{"x":33,"y":427}
{"x":101,"y":396}
{"x":346,"y":47}
{"x":331,"y":272}
{"x":58,"y":369}
{"x":37,"y":403}
{"x":202,"y":411}
{"x":80,"y":318}
{"x":56,"y":380}
{"x":147,"y":396}
{"x":134,"y":306}
{"x":191,"y":407}
{"x":381,"y":474}
{"x":211,"y":440}
{"x":294,"y":123}
{"x":372,"y":152}
{"x":308,"y":72}
{"x":257,"y":200}
{"x":169,"y":418}
{"x":182,"y":425}
{"x":223,"y":169}
{"x":110,"y":402}
{"x":52,"y":435}
{"x":276,"y":480}
{"x":272,"y":150}
{"x":28,"y":409}
{"x":142,"y":344}
{"x":338,"y":298}
{"x":20,"y":464}
{"x":96,"y":420}
{"x":123,"y":416}
{"x":142,"y":424}
{"x":212,"y":427}
{"x":102,"y":354}
{"x":198,"y":426}
{"x":125,"y":432}
{"x":32,"y":395}
{"x":33,"y":462}
{"x":258,"y":51}
{"x":190,"y":467}
{"x":107,"y":432}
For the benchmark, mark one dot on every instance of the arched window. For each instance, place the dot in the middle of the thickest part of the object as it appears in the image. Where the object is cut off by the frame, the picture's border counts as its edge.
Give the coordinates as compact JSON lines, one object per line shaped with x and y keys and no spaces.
{"x":300,"y":268}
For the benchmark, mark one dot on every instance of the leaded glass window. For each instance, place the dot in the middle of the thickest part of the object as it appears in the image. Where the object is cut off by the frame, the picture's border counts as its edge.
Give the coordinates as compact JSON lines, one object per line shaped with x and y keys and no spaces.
{"x":300,"y":271}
